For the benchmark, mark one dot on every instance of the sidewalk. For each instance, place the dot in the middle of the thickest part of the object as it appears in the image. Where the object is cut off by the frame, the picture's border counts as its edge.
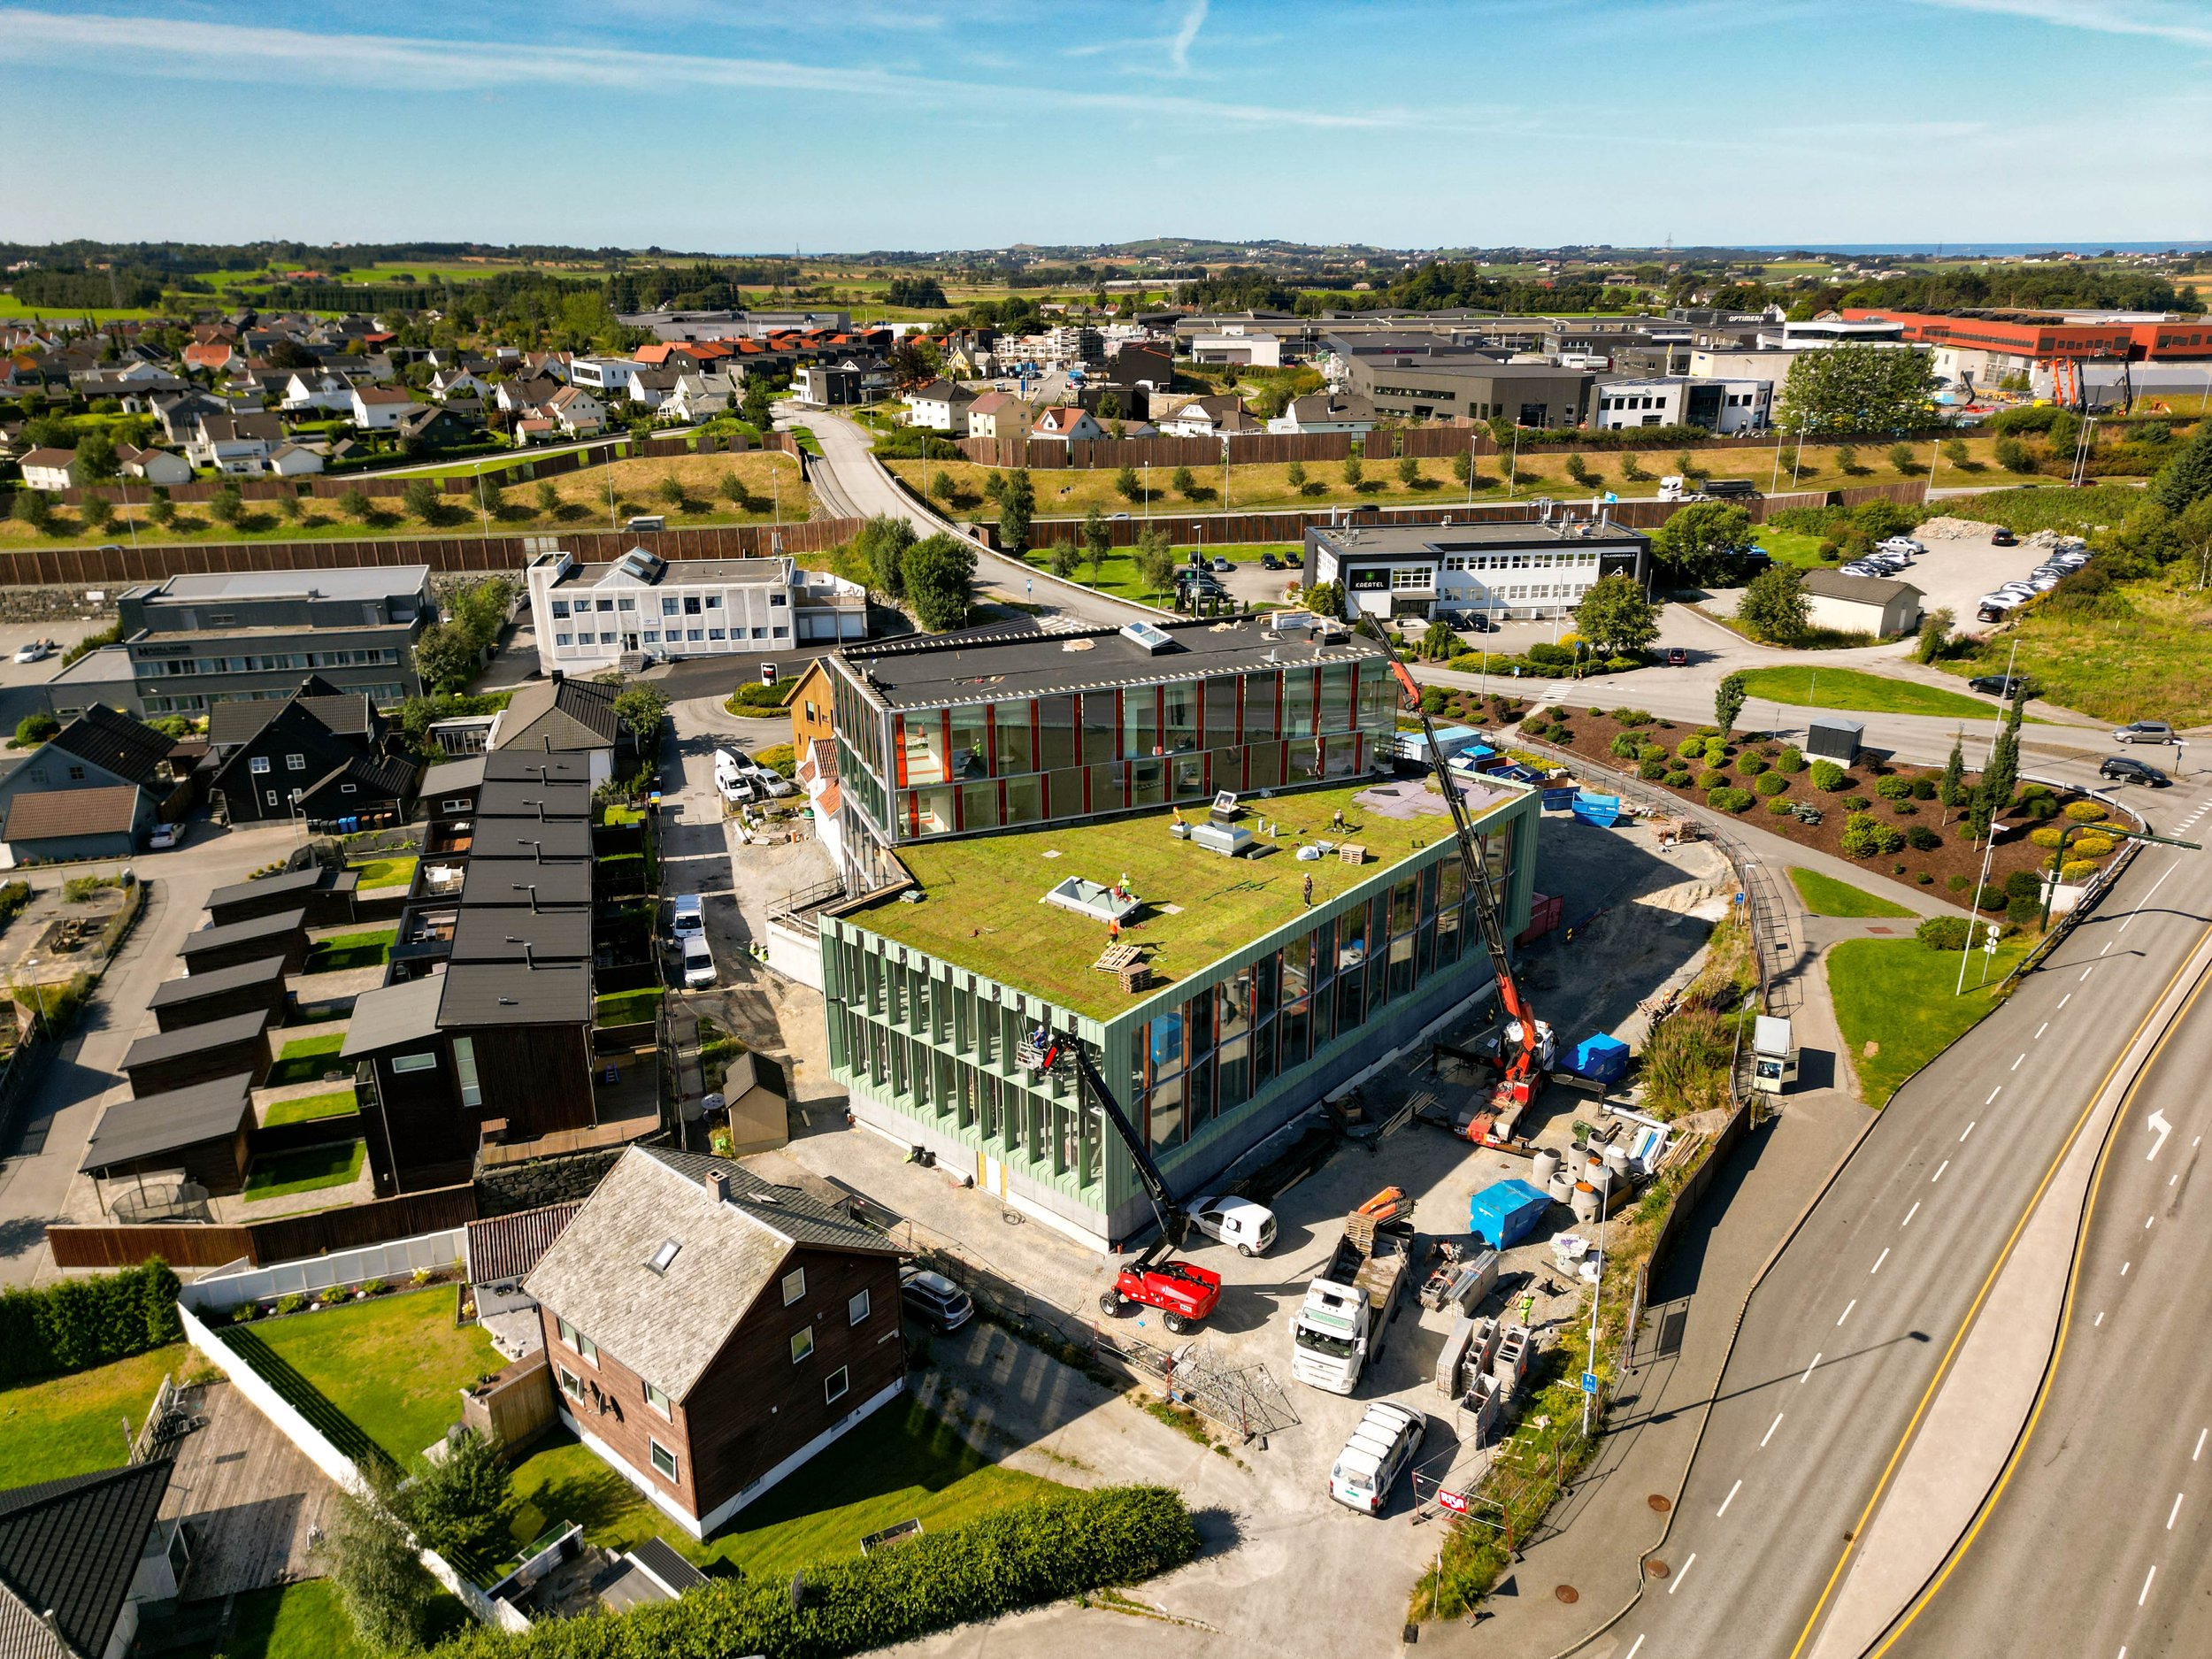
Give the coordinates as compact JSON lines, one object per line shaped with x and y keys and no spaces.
{"x":1609,"y":1522}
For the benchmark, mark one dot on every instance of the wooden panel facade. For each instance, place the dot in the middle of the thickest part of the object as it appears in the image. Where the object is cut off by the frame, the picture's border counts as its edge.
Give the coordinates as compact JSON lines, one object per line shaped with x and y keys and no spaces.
{"x":282,"y":1239}
{"x":239,"y":999}
{"x":538,"y":1078}
{"x":248,"y":1053}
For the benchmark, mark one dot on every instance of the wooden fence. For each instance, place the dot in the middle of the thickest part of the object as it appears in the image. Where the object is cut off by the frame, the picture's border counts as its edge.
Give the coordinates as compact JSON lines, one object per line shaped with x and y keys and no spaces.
{"x":280,"y":1238}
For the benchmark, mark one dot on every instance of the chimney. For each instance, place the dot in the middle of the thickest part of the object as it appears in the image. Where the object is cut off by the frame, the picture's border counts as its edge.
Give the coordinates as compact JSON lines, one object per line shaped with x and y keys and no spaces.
{"x":529,"y":962}
{"x":717,"y":1181}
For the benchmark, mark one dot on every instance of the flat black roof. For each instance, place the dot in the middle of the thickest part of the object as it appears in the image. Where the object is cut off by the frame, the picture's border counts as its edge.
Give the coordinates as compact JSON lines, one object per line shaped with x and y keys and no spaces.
{"x":269,"y":927}
{"x":216,"y":1034}
{"x":134,"y":1129}
{"x":499,"y":935}
{"x":194,"y":986}
{"x":524,"y":766}
{"x":979,"y":667}
{"x":500,"y":882}
{"x":523,"y":800}
{"x":507,"y":993}
{"x":314,"y":878}
{"x":1401,"y":541}
{"x":520,"y":840}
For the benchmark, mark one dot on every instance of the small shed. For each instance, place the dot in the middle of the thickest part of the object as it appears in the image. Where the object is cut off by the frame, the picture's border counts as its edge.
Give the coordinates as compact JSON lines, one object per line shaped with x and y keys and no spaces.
{"x":199,"y":998}
{"x":324,"y":896}
{"x":202,"y":1130}
{"x":757,"y":1099}
{"x":47,"y":825}
{"x":283,"y":935}
{"x":1860,"y":604}
{"x":1828,"y":738}
{"x":200,"y":1053}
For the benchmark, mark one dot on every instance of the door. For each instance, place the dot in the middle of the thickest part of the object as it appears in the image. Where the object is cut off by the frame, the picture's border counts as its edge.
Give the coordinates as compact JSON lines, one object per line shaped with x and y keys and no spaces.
{"x":994,"y":1175}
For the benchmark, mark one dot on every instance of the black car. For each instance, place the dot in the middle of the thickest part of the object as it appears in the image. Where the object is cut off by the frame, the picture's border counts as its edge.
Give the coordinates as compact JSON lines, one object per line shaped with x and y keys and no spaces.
{"x":2127,"y":769}
{"x":934,"y":1300}
{"x":2003,"y":686}
{"x":2002,"y":537}
{"x":1478,"y":622}
{"x":1269,"y":562}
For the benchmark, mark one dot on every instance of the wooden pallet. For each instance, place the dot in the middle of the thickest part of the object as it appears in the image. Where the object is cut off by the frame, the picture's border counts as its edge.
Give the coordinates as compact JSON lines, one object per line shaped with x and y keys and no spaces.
{"x":1118,"y":958}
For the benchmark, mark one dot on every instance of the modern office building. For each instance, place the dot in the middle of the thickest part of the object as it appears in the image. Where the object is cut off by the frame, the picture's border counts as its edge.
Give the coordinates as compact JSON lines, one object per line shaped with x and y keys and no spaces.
{"x":592,"y":617}
{"x":1717,"y":405}
{"x":192,"y":641}
{"x":1535,"y":394}
{"x":1539,"y":567}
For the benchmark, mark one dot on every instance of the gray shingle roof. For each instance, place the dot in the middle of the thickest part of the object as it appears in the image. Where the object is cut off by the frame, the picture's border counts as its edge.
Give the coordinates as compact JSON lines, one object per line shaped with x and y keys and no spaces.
{"x":215,"y":1033}
{"x":71,"y":1548}
{"x":668,"y":1326}
{"x":498,"y":935}
{"x":386,"y":1017}
{"x":314,"y":878}
{"x":1873,"y":590}
{"x":276,"y":929}
{"x":570,"y":714}
{"x":194,"y":987}
{"x":535,"y":766}
{"x":37,"y":815}
{"x":495,"y":881}
{"x":454,"y":777}
{"x":156,"y":1124}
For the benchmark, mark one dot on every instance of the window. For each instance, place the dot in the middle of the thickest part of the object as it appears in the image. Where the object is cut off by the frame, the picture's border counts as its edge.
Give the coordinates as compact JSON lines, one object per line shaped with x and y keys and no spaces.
{"x":663,"y":1460}
{"x":694,"y":633}
{"x":560,"y":607}
{"x":652,"y":636}
{"x":782,"y":634}
{"x":414,"y":1063}
{"x":716,"y":633}
{"x":834,"y":1385}
{"x":760,"y":633}
{"x":802,"y":1344}
{"x":76,"y":774}
{"x":583,"y":1345}
{"x":464,"y":1064}
{"x":571,"y":1383}
{"x":259,"y":764}
{"x":670,"y":607}
{"x":857,"y":1309}
{"x":793,"y":1286}
{"x":659,"y":1400}
{"x":347,"y":789}
{"x":714,"y":601}
{"x":691,"y":605}
{"x":606,"y":604}
{"x":564,"y":639}
{"x":271,"y":795}
{"x":296,"y":763}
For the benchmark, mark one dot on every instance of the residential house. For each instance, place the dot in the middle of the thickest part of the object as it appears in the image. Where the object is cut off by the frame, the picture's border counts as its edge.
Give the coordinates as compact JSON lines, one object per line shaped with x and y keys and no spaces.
{"x":516,"y":397}
{"x":608,"y":376}
{"x":813,"y":713}
{"x":1065,"y":424}
{"x":697,"y":396}
{"x":181,"y":416}
{"x":164,"y":467}
{"x":324,"y":389}
{"x":79,"y":1556}
{"x":296,"y":460}
{"x":649,"y":387}
{"x":212,"y":356}
{"x":238,"y":444}
{"x":448,"y":383}
{"x":1238,"y":344}
{"x":1860,"y":604}
{"x":999,"y":415}
{"x":382,"y":408}
{"x":709,"y":1333}
{"x":590,"y":617}
{"x":1326,"y":411}
{"x":51,"y":469}
{"x":201,"y":1128}
{"x":939,"y":406}
{"x":318,"y":749}
{"x":828,"y":385}
{"x":576,"y":412}
{"x":566,"y":717}
{"x":1216,"y":416}
{"x":90,"y":791}
{"x":50,"y":825}
{"x":438,"y":428}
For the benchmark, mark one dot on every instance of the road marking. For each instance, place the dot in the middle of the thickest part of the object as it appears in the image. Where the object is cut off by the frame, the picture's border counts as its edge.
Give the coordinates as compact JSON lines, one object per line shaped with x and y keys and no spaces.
{"x":1878,"y":1259}
{"x":2099,"y":1316}
{"x":1938,"y":1176}
{"x":2039,"y":1030}
{"x":1845,"y":1314}
{"x":2173,"y":1512}
{"x":2086,"y":971}
{"x":2157,"y":1125}
{"x":1640,"y":1642}
{"x":1910,"y":1214}
{"x":1733,"y":1490}
{"x":1968,"y":1130}
{"x":1993,"y":1093}
{"x":2023,"y":1055}
{"x":2063,"y":1001}
{"x":2147,"y":1576}
{"x":2108,"y":946}
{"x":1768,"y":1435}
{"x":2199,"y":1451}
{"x":2148,"y":1222}
{"x":1684,"y":1573}
{"x":1801,"y":1380}
{"x":2140,"y":908}
{"x":2123,"y":1268}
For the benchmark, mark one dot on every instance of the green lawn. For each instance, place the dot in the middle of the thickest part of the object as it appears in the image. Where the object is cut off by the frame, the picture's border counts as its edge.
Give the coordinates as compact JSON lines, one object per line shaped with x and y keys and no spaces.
{"x":902,"y":1463}
{"x":385,"y":873}
{"x":2143,"y":658}
{"x":72,"y":1426}
{"x":342,"y":951}
{"x":379,"y":1376}
{"x":628,"y":1008}
{"x":1849,"y":689}
{"x":337,"y":1103}
{"x":1825,"y":895}
{"x":307,"y":1620}
{"x":1897,"y":995}
{"x":1793,"y":547}
{"x":308,"y":1170}
{"x":305,"y":1060}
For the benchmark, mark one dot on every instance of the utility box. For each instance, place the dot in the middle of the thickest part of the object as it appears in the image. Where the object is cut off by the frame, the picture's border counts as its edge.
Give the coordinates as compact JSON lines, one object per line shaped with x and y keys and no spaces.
{"x":1773,"y":1055}
{"x":1830,"y":739}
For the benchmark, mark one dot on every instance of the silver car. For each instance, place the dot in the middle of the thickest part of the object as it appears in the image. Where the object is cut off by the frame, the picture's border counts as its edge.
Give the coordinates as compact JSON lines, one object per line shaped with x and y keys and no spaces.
{"x":2144,"y":732}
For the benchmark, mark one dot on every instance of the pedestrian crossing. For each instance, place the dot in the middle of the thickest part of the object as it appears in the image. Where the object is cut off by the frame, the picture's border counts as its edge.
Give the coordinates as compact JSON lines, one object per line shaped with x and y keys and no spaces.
{"x":2201,"y":808}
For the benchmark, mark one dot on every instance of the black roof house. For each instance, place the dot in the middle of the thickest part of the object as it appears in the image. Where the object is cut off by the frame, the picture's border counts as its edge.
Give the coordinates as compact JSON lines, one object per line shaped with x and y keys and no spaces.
{"x":69,"y":1552}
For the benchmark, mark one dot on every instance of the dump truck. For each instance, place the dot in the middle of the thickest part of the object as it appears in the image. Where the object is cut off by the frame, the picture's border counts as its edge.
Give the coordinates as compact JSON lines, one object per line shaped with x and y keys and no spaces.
{"x":1345,"y":1318}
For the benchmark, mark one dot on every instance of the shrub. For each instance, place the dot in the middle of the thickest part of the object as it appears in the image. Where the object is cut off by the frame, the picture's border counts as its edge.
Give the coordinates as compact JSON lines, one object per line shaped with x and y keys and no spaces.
{"x":1921,"y":839}
{"x":1711,"y":779}
{"x":1625,"y":746}
{"x":76,"y":1324}
{"x":2086,"y":811}
{"x":1555,"y":656}
{"x":1690,"y":748}
{"x":1855,"y":804}
{"x":2023,"y":884}
{"x":1633,"y":717}
{"x":1894,"y":788}
{"x":2039,"y":806}
{"x":2093,"y":846}
{"x":290,"y":1303}
{"x":1677,"y":779}
{"x":1779,"y":807}
{"x":1944,"y":932}
{"x":1621,"y":665}
{"x":2024,"y":912}
{"x":461,"y":1504}
{"x":1749,"y":764}
{"x":1651,"y":751}
{"x":1772,"y":783}
{"x":1728,"y":800}
{"x":2047,"y":837}
{"x":1866,"y":836}
{"x":1791,"y":759}
{"x":1924,"y":789}
{"x":1651,"y":769}
{"x":1716,"y":750}
{"x":2075,"y":871}
{"x":1828,"y":776}
{"x":1989,"y":897}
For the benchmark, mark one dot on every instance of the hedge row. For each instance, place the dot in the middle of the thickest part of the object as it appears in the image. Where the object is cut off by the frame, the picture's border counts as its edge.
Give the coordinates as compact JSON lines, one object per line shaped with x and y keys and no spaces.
{"x":76,"y":1324}
{"x":1013,"y":1558}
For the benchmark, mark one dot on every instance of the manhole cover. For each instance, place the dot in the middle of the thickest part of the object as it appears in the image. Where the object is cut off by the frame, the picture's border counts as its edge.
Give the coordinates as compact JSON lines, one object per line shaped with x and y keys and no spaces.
{"x":1660,"y":1505}
{"x":1567,"y":1594}
{"x":1656,"y":1568}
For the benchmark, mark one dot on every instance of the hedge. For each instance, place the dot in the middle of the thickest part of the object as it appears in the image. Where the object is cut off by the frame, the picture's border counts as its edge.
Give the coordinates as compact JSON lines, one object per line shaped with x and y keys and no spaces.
{"x":1013,"y":1558}
{"x":76,"y":1324}
{"x":1943,"y":933}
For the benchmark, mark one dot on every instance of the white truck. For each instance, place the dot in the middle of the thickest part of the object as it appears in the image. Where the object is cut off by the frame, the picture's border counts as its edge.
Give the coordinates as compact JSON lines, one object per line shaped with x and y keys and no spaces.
{"x":1345,"y":1318}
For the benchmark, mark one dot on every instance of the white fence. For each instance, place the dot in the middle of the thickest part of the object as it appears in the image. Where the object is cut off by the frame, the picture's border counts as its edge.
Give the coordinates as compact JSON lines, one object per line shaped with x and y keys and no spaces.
{"x":389,"y":1262}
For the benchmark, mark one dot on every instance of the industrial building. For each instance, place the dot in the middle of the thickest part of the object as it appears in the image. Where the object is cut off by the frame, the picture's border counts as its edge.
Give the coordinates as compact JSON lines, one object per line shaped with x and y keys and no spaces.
{"x":1539,"y":567}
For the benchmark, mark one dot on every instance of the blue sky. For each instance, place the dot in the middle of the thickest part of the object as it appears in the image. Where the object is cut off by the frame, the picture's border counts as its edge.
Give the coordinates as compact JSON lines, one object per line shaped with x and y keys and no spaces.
{"x":741,"y":126}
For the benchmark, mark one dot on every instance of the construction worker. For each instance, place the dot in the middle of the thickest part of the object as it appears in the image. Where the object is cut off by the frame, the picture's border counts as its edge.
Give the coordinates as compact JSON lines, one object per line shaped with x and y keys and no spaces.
{"x":1113,"y":930}
{"x":1309,"y":889}
{"x":1528,"y":1310}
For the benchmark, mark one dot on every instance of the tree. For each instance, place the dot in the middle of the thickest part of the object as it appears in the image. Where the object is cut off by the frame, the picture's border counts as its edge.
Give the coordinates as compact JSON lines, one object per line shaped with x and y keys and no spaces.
{"x":1951,"y":790}
{"x":940,"y":576}
{"x":1579,"y":470}
{"x":670,"y":489}
{"x":357,"y":505}
{"x":1903,"y":458}
{"x":379,"y":1579}
{"x":1017,"y":505}
{"x":446,"y":655}
{"x":1954,"y":451}
{"x":1438,"y":642}
{"x":1326,"y":599}
{"x":1186,"y":485}
{"x":1935,"y":635}
{"x":941,"y":485}
{"x":1698,"y":544}
{"x":460,"y":1505}
{"x":2186,"y":480}
{"x":422,"y":501}
{"x":481,"y":607}
{"x":1352,"y":471}
{"x":34,"y":729}
{"x":735,"y":490}
{"x":1293,"y":475}
{"x":1462,"y":466}
{"x":98,"y":512}
{"x":914,"y":361}
{"x":95,"y":456}
{"x":1126,"y":486}
{"x":641,"y":706}
{"x":881,"y":545}
{"x":289,"y":503}
{"x":1155,"y":561}
{"x":1616,"y":617}
{"x":227,"y":505}
{"x":1098,"y":536}
{"x":1728,"y":701}
{"x":1857,"y":388}
{"x":1408,"y":471}
{"x":2015,"y":457}
{"x":1062,"y":561}
{"x":33,"y":508}
{"x":1847,"y":461}
{"x":1775,"y":607}
{"x":757,"y":405}
{"x":161,"y":510}
{"x":1992,"y":793}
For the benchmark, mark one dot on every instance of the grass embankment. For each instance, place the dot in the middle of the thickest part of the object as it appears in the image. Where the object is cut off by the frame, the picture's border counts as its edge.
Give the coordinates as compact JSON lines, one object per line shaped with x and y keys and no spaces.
{"x":1897,"y":1007}
{"x":72,"y":1426}
{"x":2140,"y":653}
{"x":337,"y":1103}
{"x":1852,"y":689}
{"x":309,"y":1169}
{"x":1825,"y":895}
{"x":377,"y":1376}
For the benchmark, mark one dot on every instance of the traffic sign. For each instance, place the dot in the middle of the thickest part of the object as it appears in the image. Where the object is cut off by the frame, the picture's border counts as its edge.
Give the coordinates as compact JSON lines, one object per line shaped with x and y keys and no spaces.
{"x":1989,"y":940}
{"x":1589,"y":1382}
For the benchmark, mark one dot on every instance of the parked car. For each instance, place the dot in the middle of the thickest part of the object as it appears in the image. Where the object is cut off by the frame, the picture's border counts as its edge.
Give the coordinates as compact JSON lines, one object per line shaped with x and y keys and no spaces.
{"x":2002,"y":537}
{"x":736,"y":787}
{"x":1269,"y":562}
{"x":698,"y":962}
{"x":2144,"y":732}
{"x":1221,"y":565}
{"x":1904,"y":546}
{"x":2001,"y":685}
{"x":2127,"y":769}
{"x":934,"y":1300}
{"x":164,"y":836}
{"x":1677,"y":657}
{"x":689,"y":918}
{"x":36,"y":651}
{"x":1479,"y":622}
{"x":1240,"y":1221}
{"x":1377,"y":1452}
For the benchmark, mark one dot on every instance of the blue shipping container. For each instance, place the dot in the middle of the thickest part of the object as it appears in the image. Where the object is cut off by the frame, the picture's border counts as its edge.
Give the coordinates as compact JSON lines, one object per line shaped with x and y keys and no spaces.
{"x":1504,"y":1213}
{"x":1602,"y":1058}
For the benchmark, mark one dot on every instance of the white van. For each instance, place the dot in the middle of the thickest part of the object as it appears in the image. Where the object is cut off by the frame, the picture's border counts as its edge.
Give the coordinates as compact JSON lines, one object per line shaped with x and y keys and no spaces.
{"x":1239,"y":1221}
{"x":698,"y":962}
{"x":1378,"y":1451}
{"x":690,"y":921}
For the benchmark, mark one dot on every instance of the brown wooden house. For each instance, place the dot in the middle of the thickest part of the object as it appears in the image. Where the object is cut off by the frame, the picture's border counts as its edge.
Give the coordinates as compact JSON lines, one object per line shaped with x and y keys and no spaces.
{"x":163,"y":1060}
{"x":709,"y":1333}
{"x":283,"y":934}
{"x":201,"y":1130}
{"x":199,"y":998}
{"x":324,"y":896}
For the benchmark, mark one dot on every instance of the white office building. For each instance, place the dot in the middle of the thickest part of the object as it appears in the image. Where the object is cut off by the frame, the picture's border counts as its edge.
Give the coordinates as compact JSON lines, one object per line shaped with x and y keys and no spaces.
{"x":1523,"y":571}
{"x":1677,"y":400}
{"x":593,"y":617}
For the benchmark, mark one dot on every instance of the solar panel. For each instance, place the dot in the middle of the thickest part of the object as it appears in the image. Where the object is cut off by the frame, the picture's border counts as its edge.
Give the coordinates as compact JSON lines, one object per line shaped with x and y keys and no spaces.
{"x":1153,"y":639}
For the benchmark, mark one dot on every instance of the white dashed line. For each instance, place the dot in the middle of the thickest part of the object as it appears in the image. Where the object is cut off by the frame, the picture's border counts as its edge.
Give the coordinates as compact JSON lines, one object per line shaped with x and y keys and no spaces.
{"x":1878,"y":1259}
{"x":1691,"y":1563}
{"x":1768,"y":1435}
{"x":2023,"y":1055}
{"x":2173,"y":1512}
{"x":2064,"y":999}
{"x":1938,"y":1176}
{"x":2086,"y":971}
{"x":2107,"y":947}
{"x":2099,"y":1316}
{"x":2199,"y":1451}
{"x":1733,"y":1490}
{"x":1640,"y":1642}
{"x":2148,"y":1222}
{"x":2039,"y":1030}
{"x":1993,"y":1093}
{"x":1910,"y":1214}
{"x":1801,"y":1380}
{"x":2147,"y":1576}
{"x":1845,"y":1314}
{"x":1968,"y":1130}
{"x":2123,"y":1268}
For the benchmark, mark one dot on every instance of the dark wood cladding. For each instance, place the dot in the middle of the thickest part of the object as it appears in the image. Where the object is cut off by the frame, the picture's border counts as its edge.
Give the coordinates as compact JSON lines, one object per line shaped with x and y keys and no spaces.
{"x":207,"y":958}
{"x":248,"y":1054}
{"x":218,"y":1164}
{"x":419,"y":1136}
{"x":282,"y":1239}
{"x":538,"y":1078}
{"x":239,"y":999}
{"x":752,"y":1406}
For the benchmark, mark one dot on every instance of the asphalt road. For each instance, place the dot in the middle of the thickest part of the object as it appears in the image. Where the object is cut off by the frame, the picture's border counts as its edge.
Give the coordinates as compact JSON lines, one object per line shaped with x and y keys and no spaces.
{"x":2100,"y":1542}
{"x":1852,"y":1325}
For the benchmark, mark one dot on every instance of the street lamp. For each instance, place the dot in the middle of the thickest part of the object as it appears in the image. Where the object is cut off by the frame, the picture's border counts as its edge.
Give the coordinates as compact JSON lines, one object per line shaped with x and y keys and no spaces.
{"x":38,"y":989}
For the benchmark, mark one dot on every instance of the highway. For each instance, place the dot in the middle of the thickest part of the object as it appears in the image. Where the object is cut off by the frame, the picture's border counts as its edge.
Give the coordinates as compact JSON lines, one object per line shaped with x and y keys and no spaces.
{"x":1862,"y":1314}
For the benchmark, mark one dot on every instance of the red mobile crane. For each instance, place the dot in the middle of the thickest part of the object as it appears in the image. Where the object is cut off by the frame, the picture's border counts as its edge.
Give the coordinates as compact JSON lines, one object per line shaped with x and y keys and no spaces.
{"x":1184,"y":1294}
{"x":1523,"y":1054}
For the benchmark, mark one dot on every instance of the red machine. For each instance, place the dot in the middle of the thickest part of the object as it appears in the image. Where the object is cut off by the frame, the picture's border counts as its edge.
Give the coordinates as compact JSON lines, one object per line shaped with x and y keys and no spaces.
{"x":1184,"y":1294}
{"x":1524,"y":1056}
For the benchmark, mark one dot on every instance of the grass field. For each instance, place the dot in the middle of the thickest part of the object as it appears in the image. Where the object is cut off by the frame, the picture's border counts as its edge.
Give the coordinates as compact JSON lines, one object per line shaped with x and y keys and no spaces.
{"x":309,"y":1169}
{"x":308,"y":1108}
{"x":1793,"y":547}
{"x":342,"y":951}
{"x":71,"y":1426}
{"x":305,"y":1059}
{"x":2146,"y":665}
{"x":1896,"y":1007}
{"x":1825,"y":895}
{"x":902,"y":1463}
{"x":385,"y":873}
{"x":1870,"y":693}
{"x":379,"y":1376}
{"x":1116,"y":574}
{"x":628,"y":1008}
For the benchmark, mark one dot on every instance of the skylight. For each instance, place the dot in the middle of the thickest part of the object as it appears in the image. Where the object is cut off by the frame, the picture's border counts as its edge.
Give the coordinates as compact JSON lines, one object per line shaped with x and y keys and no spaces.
{"x":665,"y":1256}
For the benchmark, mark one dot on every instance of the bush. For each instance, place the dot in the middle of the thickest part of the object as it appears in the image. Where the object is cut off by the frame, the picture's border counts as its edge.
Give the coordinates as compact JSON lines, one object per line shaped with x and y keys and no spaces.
{"x":1749,"y":764}
{"x":1855,"y":804}
{"x":1677,"y":779}
{"x":1651,"y":751}
{"x":2086,"y":811}
{"x":2024,"y":912}
{"x":2091,"y":845}
{"x":1650,"y":771}
{"x":15,"y":897}
{"x":1625,"y":746}
{"x":753,"y":694}
{"x":1553,"y":656}
{"x":76,"y":1324}
{"x":1729,"y":800}
{"x":1944,"y":932}
{"x":1828,"y":776}
{"x":1772,"y":783}
{"x":1959,"y":884}
{"x":1621,"y":665}
{"x":1792,"y":759}
{"x":2023,"y":884}
{"x":1779,"y":807}
{"x":2045,"y":837}
{"x":1024,"y":1554}
{"x":2074,"y":872}
{"x":34,"y":729}
{"x":1690,"y":747}
{"x":1633,"y":717}
{"x":1989,"y":897}
{"x":1924,"y":788}
{"x":1921,"y":839}
{"x":1710,"y":779}
{"x":1894,"y":788}
{"x":1866,"y":836}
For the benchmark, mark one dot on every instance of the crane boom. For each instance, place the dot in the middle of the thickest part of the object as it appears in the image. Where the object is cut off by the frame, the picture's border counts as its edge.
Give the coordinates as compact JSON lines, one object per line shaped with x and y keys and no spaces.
{"x":1174,"y":1222}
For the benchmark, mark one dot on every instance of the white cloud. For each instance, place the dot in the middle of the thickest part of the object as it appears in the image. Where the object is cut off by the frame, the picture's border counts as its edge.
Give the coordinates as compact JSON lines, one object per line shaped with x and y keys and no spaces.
{"x":2141,"y":18}
{"x":1179,"y":47}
